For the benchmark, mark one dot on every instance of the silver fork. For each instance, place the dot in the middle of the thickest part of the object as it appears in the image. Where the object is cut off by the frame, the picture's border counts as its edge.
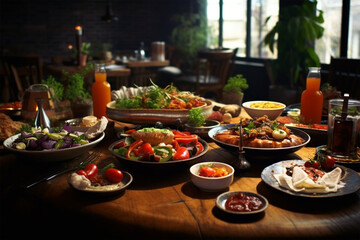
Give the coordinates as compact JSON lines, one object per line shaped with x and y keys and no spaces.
{"x":89,"y":159}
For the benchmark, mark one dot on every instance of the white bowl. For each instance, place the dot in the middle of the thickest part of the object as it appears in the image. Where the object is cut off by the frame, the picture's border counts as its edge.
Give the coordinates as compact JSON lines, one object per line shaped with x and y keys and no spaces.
{"x":272,"y":113}
{"x":212,"y":184}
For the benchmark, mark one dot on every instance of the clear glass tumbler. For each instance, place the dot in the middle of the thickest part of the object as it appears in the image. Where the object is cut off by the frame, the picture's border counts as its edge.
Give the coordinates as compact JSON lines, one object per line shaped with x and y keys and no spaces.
{"x":343,"y":129}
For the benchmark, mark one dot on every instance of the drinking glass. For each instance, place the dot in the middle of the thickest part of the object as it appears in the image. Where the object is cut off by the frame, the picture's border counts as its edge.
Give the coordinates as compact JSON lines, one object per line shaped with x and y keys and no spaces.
{"x":343,"y":129}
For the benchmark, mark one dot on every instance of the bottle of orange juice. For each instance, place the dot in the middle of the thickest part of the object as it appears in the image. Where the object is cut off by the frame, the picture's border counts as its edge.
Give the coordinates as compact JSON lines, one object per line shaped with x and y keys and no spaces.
{"x":101,"y":91}
{"x":312,"y":98}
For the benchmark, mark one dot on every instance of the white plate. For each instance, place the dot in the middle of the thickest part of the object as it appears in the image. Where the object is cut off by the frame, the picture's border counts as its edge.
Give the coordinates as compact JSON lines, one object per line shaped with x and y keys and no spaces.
{"x":54,"y":155}
{"x":348,"y":176}
{"x":221,"y":200}
{"x":125,"y":182}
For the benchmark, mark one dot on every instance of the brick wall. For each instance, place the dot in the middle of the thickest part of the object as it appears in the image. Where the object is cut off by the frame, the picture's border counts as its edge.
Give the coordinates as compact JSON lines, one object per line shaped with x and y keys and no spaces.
{"x":46,"y":27}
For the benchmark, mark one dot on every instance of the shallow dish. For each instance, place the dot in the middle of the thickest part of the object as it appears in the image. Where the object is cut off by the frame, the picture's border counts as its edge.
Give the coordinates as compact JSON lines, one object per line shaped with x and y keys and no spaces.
{"x":349,"y":177}
{"x":147,"y":163}
{"x":272,"y":113}
{"x":151,"y":116}
{"x":125,"y":182}
{"x":212,"y":184}
{"x":221,"y":200}
{"x":54,"y":155}
{"x":202,"y":131}
{"x":259,"y":151}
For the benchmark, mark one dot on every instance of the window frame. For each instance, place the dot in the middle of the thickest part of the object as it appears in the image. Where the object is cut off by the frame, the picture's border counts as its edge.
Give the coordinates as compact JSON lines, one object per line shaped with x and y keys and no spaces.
{"x":344,"y":37}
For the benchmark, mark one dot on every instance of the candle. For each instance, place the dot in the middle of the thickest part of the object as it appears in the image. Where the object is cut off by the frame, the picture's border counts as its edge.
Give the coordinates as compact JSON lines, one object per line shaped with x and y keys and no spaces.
{"x":78,"y":42}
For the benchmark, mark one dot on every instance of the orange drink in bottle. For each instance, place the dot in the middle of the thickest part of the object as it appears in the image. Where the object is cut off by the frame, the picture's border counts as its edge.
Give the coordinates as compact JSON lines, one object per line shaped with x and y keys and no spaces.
{"x":101,"y":91}
{"x":312,"y":98}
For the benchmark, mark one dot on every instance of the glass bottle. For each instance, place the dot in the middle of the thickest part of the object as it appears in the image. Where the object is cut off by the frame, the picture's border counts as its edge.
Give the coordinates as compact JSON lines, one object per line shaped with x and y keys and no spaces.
{"x":101,"y":91}
{"x":312,"y":98}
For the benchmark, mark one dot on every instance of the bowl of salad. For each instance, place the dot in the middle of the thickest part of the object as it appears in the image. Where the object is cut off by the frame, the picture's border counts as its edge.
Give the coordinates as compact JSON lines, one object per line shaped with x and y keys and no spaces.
{"x":153,"y":104}
{"x":51,"y":145}
{"x":154,"y":146}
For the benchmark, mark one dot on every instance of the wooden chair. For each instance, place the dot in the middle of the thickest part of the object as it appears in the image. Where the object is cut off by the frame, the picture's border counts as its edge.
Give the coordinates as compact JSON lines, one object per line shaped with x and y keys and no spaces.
{"x":22,"y":72}
{"x":212,"y":73}
{"x":344,"y":74}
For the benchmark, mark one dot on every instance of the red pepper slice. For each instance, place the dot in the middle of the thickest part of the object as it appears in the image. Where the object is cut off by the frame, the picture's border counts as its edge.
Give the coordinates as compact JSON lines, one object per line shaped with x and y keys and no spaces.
{"x":178,"y":133}
{"x":175,"y":144}
{"x":133,"y":146}
{"x":187,"y":139}
{"x":199,"y":148}
{"x":130,"y":131}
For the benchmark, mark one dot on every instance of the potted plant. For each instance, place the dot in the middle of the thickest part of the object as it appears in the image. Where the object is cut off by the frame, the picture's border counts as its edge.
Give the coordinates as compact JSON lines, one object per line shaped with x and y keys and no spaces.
{"x":76,"y":93}
{"x":191,"y":35}
{"x":294,"y":34}
{"x":85,"y":50}
{"x":233,"y":89}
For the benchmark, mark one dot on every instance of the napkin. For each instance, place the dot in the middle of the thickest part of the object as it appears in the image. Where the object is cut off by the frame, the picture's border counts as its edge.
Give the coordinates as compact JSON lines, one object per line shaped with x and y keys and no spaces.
{"x":301,"y":182}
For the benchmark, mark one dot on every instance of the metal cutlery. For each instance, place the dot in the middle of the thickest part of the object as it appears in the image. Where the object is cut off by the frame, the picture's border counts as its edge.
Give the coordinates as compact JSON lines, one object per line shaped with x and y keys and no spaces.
{"x":89,"y":159}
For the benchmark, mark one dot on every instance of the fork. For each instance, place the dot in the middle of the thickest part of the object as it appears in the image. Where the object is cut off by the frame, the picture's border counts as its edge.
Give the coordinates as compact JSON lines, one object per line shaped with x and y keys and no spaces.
{"x":82,"y":164}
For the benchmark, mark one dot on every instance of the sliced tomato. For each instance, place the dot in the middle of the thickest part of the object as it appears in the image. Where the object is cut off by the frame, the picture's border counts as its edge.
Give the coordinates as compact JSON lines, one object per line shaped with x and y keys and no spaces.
{"x":130,"y":131}
{"x":207,"y":171}
{"x":175,"y":144}
{"x":187,"y":139}
{"x":181,"y":154}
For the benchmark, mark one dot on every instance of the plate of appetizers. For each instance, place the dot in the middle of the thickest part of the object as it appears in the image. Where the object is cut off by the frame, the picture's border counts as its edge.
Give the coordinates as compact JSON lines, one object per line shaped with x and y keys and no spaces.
{"x":148,"y":105}
{"x":294,"y":177}
{"x":155,"y":146}
{"x":98,"y":179}
{"x":261,"y":136}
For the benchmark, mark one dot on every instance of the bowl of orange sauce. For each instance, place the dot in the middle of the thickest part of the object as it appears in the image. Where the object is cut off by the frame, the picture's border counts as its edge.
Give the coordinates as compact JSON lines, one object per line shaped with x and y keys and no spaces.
{"x":257,"y":109}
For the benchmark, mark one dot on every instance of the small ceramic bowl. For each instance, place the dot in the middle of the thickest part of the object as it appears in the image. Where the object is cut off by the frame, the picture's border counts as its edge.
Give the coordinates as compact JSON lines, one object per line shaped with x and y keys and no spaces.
{"x":204,"y":129}
{"x":255,"y":112}
{"x":212,"y":184}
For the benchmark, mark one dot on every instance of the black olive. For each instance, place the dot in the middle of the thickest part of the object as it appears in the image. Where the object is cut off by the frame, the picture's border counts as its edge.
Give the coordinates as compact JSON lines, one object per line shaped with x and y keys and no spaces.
{"x":159,"y":125}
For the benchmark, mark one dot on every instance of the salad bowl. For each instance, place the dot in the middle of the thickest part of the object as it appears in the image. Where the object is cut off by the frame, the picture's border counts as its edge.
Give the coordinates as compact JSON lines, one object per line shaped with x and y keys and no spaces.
{"x":52,"y":155}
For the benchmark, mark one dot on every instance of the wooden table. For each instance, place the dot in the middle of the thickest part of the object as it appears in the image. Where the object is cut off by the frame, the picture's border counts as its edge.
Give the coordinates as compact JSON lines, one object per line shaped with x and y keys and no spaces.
{"x":164,"y":204}
{"x":143,"y":70}
{"x":117,"y":75}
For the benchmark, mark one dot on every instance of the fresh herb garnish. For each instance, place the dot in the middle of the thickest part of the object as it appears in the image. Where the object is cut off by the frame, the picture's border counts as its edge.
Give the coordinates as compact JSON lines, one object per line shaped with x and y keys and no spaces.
{"x":196,"y":117}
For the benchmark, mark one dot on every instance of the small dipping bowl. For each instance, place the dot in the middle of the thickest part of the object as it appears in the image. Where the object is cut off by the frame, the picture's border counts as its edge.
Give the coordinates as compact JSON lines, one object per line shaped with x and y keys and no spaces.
{"x":203,"y":130}
{"x":212,"y":184}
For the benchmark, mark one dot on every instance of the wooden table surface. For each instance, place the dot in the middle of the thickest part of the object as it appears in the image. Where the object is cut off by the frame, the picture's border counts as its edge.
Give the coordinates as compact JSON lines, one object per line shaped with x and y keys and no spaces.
{"x":164,"y":204}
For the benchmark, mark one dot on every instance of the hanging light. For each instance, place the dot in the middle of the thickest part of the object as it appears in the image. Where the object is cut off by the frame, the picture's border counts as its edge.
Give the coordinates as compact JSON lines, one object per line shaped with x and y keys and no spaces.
{"x":109,"y":17}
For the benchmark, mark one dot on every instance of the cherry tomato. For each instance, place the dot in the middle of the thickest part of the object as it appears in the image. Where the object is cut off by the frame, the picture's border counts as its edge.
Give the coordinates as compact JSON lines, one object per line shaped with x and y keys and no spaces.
{"x":181,"y":153}
{"x":82,"y":172}
{"x":91,"y":170}
{"x":146,"y":149}
{"x":312,"y":163}
{"x":328,"y":163}
{"x":207,"y":171}
{"x":113,"y":175}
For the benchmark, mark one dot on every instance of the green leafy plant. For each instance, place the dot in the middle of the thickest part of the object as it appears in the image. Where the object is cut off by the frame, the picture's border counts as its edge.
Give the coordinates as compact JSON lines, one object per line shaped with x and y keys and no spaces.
{"x":85,"y":48}
{"x":294,"y":34}
{"x":75,"y":90}
{"x":236,"y":84}
{"x":57,"y":86}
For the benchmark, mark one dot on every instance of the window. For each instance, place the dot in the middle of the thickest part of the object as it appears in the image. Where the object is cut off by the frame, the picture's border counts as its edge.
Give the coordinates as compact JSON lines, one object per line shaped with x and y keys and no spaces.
{"x":354,"y":30}
{"x":235,"y":20}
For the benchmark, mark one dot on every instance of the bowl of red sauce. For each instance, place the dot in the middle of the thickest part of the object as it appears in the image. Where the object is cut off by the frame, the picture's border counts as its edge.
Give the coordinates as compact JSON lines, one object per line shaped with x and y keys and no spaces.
{"x":212,"y":176}
{"x":239,"y":202}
